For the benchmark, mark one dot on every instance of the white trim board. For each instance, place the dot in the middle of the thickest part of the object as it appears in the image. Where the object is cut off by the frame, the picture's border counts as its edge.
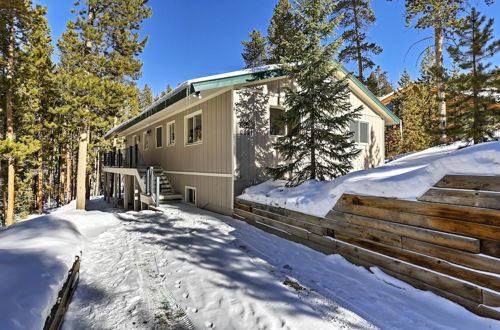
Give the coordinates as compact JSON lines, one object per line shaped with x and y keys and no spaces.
{"x":222,"y":175}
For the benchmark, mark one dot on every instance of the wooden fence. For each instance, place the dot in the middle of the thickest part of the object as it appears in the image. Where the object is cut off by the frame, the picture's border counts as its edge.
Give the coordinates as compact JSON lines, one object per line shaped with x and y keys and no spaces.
{"x":447,"y":242}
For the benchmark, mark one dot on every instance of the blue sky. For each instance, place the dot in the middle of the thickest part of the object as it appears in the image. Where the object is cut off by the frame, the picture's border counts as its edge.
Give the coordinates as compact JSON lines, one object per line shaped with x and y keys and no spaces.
{"x":194,"y":38}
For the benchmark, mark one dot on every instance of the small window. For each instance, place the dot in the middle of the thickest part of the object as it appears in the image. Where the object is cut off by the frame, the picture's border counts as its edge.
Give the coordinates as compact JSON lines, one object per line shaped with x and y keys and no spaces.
{"x":194,"y":129}
{"x":361,"y":130}
{"x":171,"y":133}
{"x":276,"y":125}
{"x":190,"y":195}
{"x":145,"y":141}
{"x":159,"y":137}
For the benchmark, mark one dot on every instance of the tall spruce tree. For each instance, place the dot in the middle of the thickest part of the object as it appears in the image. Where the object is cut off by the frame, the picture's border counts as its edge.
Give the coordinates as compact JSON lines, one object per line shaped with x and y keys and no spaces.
{"x":378,"y":83}
{"x":145,"y":97}
{"x":98,"y":63}
{"x":24,"y":50}
{"x":441,"y":16}
{"x":255,"y":50}
{"x":318,"y":144}
{"x":357,"y":16}
{"x":478,"y":81}
{"x":281,"y":31}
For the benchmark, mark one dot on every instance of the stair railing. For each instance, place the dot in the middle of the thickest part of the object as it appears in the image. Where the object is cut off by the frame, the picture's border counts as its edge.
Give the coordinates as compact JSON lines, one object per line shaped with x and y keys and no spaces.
{"x":153,"y":185}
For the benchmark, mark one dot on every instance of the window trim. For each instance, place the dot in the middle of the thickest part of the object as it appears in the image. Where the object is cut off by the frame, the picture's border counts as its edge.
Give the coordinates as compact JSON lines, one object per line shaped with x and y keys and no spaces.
{"x":269,"y":130}
{"x":359,"y":132}
{"x":168,"y":133}
{"x":186,"y":133}
{"x":156,"y":137}
{"x":144,"y":137}
{"x":186,"y":188}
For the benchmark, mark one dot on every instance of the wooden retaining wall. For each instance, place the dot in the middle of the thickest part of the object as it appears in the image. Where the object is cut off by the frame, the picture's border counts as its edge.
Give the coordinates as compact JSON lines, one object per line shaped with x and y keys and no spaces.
{"x":447,"y":242}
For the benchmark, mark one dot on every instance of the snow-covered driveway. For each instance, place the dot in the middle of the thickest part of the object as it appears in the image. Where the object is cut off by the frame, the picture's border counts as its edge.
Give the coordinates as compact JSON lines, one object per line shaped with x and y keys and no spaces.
{"x":190,"y":268}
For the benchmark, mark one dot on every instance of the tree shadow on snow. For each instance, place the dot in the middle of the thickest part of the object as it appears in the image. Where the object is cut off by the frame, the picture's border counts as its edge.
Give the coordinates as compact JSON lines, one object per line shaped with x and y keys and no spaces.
{"x":213,"y":248}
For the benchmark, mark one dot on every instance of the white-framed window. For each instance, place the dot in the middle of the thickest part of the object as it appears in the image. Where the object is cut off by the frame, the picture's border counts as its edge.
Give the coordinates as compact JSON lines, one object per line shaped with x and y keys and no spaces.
{"x":171,"y":133}
{"x":361,"y":130}
{"x":190,"y":195}
{"x":276,"y":125}
{"x":145,"y":140}
{"x":159,"y":136}
{"x":193,"y":128}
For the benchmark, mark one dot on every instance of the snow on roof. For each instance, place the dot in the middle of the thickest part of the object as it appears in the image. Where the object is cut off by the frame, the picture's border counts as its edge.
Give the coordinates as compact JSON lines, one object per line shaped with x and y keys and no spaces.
{"x":406,"y":178}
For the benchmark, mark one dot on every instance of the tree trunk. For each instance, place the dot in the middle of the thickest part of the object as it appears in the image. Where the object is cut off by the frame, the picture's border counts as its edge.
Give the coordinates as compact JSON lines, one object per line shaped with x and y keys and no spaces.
{"x":438,"y":45}
{"x":11,"y":173}
{"x":358,"y":44}
{"x":81,"y":179}
{"x":67,"y":188}
{"x":39,"y":192}
{"x":62,"y":176}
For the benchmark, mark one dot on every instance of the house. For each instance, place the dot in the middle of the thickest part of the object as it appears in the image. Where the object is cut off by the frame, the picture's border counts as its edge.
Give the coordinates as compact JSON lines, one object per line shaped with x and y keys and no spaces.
{"x":211,"y":137}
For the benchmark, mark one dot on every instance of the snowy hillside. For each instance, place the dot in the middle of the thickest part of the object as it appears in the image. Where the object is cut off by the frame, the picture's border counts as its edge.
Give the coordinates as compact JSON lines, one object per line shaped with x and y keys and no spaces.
{"x":407,"y":178}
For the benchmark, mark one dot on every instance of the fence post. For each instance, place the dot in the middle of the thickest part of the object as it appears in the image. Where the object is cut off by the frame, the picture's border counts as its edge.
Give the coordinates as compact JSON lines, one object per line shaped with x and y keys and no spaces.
{"x":157,"y":199}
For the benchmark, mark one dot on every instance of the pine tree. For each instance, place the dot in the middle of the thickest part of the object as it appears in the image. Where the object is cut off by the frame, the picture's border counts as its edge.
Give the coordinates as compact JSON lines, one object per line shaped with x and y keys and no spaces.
{"x":23,"y":32}
{"x":98,"y":65}
{"x":357,"y":16}
{"x":441,"y":16}
{"x":254,"y":51}
{"x":413,"y":104}
{"x":318,"y":145}
{"x":145,"y":97}
{"x":281,"y":31}
{"x":378,"y":83}
{"x":477,"y":82}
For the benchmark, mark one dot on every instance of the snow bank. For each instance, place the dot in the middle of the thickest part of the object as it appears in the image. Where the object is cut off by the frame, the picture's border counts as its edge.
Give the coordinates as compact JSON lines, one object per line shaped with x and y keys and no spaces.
{"x":406,"y":178}
{"x":35,"y":257}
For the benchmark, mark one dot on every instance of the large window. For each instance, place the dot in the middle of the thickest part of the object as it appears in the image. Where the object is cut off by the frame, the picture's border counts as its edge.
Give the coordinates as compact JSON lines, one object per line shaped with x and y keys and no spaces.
{"x":193,"y":128}
{"x":276,"y":124}
{"x":361,"y":130}
{"x":171,"y":133}
{"x":159,"y":137}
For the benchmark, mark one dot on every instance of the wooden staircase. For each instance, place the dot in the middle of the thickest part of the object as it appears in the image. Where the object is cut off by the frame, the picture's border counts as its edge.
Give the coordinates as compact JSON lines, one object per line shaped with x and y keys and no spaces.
{"x":167,"y":193}
{"x":447,"y":242}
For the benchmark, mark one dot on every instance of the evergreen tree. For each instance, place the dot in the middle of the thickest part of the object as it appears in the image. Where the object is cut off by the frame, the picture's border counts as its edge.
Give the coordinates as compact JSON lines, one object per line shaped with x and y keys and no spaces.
{"x":98,"y":64}
{"x":145,"y":97}
{"x":378,"y":83}
{"x":476,"y":84}
{"x":440,"y":15}
{"x":318,"y":144}
{"x":254,"y":51}
{"x":281,"y":31}
{"x":357,"y":16}
{"x":413,"y":104}
{"x":24,"y":67}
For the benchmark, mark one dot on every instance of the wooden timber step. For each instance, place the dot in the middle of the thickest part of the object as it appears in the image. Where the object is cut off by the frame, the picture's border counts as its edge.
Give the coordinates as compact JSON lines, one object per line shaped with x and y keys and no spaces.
{"x":477,"y":182}
{"x":456,"y":212}
{"x":431,"y":259}
{"x":484,"y":199}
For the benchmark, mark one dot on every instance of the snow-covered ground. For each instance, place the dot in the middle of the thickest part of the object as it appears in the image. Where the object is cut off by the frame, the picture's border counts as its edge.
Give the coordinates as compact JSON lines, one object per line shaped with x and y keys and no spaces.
{"x":35,"y":257}
{"x":407,"y":177}
{"x":190,"y":268}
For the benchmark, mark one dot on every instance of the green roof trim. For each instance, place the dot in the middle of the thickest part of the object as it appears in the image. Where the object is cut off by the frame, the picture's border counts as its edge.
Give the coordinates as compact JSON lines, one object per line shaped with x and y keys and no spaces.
{"x":198,"y":86}
{"x":369,"y":93}
{"x":237,"y":80}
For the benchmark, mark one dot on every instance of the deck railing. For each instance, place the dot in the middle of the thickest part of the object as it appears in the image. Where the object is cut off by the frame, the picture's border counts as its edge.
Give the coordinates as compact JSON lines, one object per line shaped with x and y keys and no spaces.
{"x":129,"y":157}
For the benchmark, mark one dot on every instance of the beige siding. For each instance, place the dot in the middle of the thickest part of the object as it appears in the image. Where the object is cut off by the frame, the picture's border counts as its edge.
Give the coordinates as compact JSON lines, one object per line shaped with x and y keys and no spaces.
{"x":213,"y":193}
{"x":213,"y":155}
{"x":372,"y":154}
{"x":254,"y":151}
